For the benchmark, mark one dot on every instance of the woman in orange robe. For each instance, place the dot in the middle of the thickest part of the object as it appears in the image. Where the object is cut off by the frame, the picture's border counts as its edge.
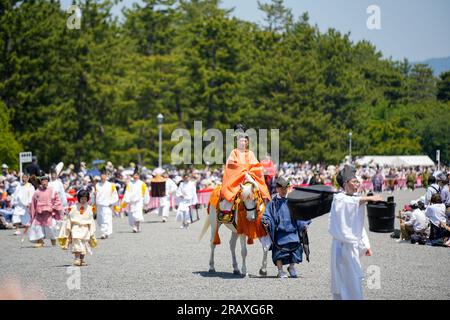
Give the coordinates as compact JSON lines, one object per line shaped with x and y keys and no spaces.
{"x":241,"y":166}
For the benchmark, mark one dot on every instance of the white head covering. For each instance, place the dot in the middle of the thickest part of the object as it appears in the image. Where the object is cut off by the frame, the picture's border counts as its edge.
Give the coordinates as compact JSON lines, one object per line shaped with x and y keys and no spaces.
{"x":158,"y":171}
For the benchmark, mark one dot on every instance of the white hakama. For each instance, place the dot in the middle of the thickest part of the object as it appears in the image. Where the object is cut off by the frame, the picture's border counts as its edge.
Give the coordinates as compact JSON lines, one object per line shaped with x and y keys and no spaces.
{"x":136,"y":213}
{"x":21,"y":215}
{"x":40,"y":232}
{"x":105,"y":219}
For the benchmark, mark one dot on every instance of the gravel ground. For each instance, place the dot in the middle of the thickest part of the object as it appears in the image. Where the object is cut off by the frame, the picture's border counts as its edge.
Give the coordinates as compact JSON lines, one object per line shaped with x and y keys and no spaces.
{"x":165,"y":262}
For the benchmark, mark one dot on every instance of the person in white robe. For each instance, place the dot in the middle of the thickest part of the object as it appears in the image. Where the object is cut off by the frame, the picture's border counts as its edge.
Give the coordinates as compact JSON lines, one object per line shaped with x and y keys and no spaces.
{"x":21,"y":201}
{"x":187,"y":196}
{"x":170,"y":189}
{"x":57,"y":185}
{"x":105,"y":198}
{"x":164,"y":202}
{"x":136,"y":197}
{"x":350,"y":240}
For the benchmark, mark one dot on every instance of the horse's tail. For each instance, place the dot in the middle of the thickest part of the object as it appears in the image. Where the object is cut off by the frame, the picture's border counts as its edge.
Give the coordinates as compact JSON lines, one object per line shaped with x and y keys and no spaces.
{"x":206,"y":226}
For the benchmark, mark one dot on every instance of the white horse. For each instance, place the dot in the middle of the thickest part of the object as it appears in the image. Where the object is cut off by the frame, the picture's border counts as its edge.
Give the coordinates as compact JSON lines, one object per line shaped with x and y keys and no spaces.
{"x":250,"y":204}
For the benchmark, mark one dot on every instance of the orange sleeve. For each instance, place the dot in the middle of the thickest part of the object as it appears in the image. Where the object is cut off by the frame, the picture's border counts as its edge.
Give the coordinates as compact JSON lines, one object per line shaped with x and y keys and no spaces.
{"x":232,"y":177}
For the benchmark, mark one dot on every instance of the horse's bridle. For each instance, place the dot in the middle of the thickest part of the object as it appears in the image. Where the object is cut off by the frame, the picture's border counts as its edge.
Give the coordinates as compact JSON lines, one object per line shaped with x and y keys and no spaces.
{"x":250,"y":209}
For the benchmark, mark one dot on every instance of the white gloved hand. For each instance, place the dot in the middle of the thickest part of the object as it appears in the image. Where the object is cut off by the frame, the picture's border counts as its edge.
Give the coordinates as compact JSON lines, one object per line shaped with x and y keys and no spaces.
{"x":248,"y":178}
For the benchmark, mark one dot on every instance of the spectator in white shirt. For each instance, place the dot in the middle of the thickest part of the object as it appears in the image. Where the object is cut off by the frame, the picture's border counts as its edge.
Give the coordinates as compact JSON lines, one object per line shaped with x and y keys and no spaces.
{"x":418,"y":221}
{"x":436,"y":213}
{"x":435,"y":187}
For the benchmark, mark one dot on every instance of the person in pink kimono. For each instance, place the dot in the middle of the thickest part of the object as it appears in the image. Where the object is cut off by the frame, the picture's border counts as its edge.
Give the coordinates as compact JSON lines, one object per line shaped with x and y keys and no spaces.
{"x":46,"y":209}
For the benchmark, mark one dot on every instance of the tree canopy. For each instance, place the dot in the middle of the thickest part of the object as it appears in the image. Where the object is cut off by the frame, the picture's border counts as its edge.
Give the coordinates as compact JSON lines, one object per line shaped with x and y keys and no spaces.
{"x":80,"y":94}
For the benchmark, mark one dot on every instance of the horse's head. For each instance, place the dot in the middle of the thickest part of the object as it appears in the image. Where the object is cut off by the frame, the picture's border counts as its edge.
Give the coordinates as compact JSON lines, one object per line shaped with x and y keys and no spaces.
{"x":248,"y":198}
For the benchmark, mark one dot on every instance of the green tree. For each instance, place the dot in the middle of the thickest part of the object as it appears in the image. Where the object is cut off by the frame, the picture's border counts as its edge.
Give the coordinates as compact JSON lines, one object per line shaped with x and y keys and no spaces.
{"x":9,"y":146}
{"x":30,"y":32}
{"x":279,"y":18}
{"x":422,"y":84}
{"x":77,"y":95}
{"x":443,"y":87}
{"x":152,"y":26}
{"x":210,"y":47}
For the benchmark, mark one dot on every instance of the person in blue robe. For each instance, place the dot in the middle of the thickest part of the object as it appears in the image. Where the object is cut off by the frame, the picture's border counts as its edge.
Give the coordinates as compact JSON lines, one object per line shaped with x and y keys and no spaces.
{"x":287,"y":235}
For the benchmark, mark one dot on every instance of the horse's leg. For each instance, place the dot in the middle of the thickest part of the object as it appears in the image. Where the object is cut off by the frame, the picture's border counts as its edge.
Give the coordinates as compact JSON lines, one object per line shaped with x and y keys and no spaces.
{"x":214,"y":226}
{"x":244,"y":254}
{"x":233,"y":242}
{"x":211,"y":258}
{"x":263,"y":270}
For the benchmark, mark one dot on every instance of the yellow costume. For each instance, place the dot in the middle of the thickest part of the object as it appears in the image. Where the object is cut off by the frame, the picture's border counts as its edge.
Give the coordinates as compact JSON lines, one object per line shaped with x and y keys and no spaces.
{"x":78,"y":230}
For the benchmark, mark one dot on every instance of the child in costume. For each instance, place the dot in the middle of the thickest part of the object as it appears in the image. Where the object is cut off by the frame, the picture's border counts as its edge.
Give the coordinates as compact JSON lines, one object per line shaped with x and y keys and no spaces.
{"x":45,"y":210}
{"x":78,"y":229}
{"x":286,"y":233}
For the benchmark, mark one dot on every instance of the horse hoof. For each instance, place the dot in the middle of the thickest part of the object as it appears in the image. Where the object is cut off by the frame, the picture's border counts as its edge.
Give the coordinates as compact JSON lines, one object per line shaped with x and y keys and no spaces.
{"x":262,"y":272}
{"x":212,"y":270}
{"x":236,"y":272}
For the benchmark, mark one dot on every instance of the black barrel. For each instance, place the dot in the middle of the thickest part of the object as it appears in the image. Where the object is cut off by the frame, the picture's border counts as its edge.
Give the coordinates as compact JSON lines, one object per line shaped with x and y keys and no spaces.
{"x":381,"y":215}
{"x":310,"y":202}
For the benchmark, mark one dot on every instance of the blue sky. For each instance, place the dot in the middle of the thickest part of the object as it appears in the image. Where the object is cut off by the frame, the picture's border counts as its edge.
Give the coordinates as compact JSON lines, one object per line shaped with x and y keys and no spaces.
{"x":415,"y":29}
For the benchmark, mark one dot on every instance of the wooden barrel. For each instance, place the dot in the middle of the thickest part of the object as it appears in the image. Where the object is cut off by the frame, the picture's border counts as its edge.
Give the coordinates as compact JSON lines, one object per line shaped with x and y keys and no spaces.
{"x":381,"y":216}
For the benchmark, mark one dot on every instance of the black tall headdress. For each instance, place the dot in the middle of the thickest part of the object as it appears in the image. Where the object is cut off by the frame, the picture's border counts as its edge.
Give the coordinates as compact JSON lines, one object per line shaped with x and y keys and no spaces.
{"x":240,"y":131}
{"x":346,"y":174}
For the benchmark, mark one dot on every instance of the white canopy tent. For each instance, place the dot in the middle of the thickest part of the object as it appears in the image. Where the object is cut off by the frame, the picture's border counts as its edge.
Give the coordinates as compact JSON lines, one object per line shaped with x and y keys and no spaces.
{"x":396,"y":161}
